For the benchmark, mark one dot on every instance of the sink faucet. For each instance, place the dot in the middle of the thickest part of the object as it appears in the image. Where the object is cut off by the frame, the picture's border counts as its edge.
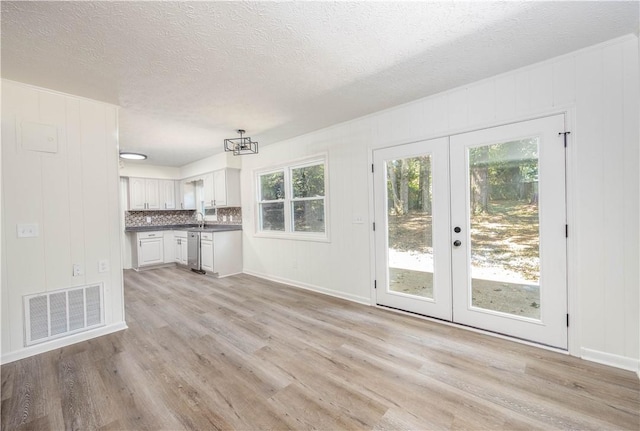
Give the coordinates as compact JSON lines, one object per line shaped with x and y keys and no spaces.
{"x":201,"y":222}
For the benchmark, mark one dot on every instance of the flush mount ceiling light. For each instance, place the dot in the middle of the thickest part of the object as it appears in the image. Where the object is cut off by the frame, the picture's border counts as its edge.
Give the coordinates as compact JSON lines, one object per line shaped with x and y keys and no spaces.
{"x":132,"y":156}
{"x":241,"y":145}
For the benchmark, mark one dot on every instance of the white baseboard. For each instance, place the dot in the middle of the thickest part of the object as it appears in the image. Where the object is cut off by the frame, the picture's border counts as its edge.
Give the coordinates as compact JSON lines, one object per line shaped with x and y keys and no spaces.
{"x":335,"y":293}
{"x":610,"y":359}
{"x":62,"y":342}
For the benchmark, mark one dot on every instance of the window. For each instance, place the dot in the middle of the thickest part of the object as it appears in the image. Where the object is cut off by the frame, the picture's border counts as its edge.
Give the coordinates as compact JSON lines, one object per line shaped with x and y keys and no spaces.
{"x":292,"y":201}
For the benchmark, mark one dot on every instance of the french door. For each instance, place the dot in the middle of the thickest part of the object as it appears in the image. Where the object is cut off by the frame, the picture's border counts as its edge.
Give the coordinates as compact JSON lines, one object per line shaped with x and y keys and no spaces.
{"x":471,"y":229}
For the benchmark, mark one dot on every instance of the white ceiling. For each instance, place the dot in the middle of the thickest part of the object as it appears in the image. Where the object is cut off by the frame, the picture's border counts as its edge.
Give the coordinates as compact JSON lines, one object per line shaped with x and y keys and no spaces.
{"x":187,"y":74}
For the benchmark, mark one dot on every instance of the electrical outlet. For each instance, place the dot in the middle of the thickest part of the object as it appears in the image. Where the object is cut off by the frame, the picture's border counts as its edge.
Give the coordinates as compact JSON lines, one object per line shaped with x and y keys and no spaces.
{"x":103,"y":265}
{"x":357,"y":219}
{"x":27,"y":230}
{"x":148,"y":219}
{"x":224,"y":218}
{"x":77,"y":270}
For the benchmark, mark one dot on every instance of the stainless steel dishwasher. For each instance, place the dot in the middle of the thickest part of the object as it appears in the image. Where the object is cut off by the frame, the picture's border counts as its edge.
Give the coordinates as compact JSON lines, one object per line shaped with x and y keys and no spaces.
{"x":193,"y":252}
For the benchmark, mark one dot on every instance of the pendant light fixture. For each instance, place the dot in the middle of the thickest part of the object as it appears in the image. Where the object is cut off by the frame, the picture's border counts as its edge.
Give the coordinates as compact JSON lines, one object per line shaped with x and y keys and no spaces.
{"x":240,"y":146}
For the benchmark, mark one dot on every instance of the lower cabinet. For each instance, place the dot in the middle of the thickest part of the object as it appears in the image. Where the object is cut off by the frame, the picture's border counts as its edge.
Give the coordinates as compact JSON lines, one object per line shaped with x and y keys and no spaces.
{"x":169,"y":249}
{"x":180,"y":247}
{"x":227,"y":250}
{"x":150,"y":248}
{"x":206,"y":251}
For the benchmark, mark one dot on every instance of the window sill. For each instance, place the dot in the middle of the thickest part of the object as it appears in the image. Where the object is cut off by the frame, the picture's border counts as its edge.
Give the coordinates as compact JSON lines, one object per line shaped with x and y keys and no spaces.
{"x":295,"y":237}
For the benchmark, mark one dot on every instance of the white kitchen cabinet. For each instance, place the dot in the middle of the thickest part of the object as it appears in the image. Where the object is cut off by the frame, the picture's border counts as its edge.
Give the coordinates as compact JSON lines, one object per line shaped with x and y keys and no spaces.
{"x":226,"y":185}
{"x":150,"y":248}
{"x":227,"y":252}
{"x":187,"y":194}
{"x":137,"y":197}
{"x":180,"y":247}
{"x":144,"y":194}
{"x":152,"y":192}
{"x":208,"y":190}
{"x":167,"y":194}
{"x":169,"y":248}
{"x":206,"y":251}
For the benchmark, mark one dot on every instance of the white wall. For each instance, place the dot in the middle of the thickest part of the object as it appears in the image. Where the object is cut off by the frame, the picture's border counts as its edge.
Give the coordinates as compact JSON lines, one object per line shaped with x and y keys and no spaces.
{"x":598,"y":87}
{"x":73,"y":196}
{"x":209,"y":164}
{"x":142,"y":170}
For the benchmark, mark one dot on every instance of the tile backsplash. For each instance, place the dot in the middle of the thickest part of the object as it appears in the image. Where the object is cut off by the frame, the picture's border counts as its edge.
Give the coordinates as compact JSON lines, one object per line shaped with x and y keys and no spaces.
{"x":158,"y":218}
{"x":230,"y":213}
{"x":162,"y":218}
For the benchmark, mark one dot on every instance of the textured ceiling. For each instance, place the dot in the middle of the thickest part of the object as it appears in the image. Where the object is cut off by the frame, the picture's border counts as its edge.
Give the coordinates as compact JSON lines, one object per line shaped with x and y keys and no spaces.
{"x":187,"y":74}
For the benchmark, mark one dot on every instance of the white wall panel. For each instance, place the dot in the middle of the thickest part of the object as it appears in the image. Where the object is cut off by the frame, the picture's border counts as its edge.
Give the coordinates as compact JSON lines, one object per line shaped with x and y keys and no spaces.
{"x":505,"y":97}
{"x":458,"y":109}
{"x":631,"y":206}
{"x":599,"y":85}
{"x":589,"y":191}
{"x":482,"y":103}
{"x":72,"y":194}
{"x":564,"y":84}
{"x":56,"y":225}
{"x":522,"y":84}
{"x":541,"y":87}
{"x":613,"y":188}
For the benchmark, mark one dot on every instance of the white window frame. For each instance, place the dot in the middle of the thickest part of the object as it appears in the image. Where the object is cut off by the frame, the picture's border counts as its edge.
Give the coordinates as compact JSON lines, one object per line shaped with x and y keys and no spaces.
{"x":289,"y":201}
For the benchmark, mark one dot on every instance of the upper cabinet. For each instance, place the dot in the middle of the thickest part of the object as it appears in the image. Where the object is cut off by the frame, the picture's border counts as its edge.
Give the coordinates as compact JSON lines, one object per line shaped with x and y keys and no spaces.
{"x":143,"y":194}
{"x":151,"y":194}
{"x":208,"y":191}
{"x":226,"y":188}
{"x":221,"y":188}
{"x":187,"y":194}
{"x":167,"y":194}
{"x":215,"y":189}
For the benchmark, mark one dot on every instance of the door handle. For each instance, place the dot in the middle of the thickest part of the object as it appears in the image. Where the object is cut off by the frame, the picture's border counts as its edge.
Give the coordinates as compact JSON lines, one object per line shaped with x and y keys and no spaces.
{"x":457,"y":229}
{"x":457,"y":243}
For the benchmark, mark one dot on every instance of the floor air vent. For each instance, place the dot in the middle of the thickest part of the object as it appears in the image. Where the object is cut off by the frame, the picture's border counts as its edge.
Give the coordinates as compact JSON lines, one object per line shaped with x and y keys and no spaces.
{"x":62,"y":312}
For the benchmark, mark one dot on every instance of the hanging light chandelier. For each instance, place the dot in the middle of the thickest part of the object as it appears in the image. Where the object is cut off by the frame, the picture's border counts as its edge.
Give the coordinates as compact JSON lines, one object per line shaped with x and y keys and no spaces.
{"x":240,"y":146}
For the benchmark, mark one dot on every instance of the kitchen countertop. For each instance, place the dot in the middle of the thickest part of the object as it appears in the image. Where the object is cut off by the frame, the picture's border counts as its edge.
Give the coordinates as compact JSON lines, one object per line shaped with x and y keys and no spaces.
{"x":190,"y":227}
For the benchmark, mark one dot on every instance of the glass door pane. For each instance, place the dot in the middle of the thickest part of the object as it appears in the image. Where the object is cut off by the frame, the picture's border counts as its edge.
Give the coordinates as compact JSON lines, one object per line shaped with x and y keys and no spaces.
{"x":504,"y":221}
{"x":410,"y":245}
{"x":508,"y":214}
{"x":413,"y":256}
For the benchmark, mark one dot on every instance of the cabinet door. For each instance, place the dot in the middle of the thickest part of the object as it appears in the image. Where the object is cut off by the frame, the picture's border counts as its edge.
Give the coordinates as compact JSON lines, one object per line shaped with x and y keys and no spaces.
{"x":227,"y":187}
{"x":206,"y":255}
{"x":150,"y":251}
{"x":168,"y":194}
{"x":183,"y":251}
{"x":137,"y":199}
{"x":188,"y":189}
{"x":208,"y":191}
{"x":228,"y":252}
{"x":152,"y":193}
{"x":220,"y":187}
{"x":177,"y":247}
{"x":169,"y":248}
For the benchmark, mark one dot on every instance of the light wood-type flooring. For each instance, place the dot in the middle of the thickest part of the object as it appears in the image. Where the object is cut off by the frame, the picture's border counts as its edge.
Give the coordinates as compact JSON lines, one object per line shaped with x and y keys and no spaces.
{"x":247,"y":354}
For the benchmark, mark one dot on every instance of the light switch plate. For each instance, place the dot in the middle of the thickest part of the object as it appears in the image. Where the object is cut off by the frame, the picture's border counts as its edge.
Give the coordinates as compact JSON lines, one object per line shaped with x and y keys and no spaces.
{"x":28,"y":230}
{"x":103,"y":265}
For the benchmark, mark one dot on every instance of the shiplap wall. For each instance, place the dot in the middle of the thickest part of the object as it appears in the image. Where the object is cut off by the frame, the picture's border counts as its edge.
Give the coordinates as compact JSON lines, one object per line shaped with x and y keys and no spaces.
{"x":73,"y":195}
{"x":597,"y":87}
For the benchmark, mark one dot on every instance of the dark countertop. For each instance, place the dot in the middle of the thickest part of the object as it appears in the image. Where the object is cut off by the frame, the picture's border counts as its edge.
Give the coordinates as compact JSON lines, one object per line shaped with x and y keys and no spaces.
{"x":191,"y":227}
